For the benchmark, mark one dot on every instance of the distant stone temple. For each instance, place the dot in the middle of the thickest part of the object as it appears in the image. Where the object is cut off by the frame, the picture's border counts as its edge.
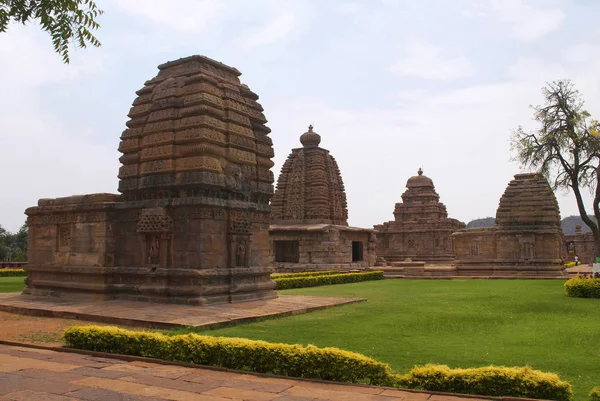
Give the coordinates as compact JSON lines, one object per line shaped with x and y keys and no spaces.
{"x":191,"y":223}
{"x":422,"y":230}
{"x":580,"y":244}
{"x":309,"y":221}
{"x":526,"y":239}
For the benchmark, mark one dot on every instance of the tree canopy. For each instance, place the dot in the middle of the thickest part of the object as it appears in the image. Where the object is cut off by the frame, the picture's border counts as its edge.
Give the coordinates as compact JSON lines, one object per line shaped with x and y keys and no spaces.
{"x":67,"y":21}
{"x":13,"y":247}
{"x":565,"y":148}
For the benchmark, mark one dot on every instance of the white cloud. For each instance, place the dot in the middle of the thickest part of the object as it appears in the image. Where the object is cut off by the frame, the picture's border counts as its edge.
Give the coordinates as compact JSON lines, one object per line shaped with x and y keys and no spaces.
{"x":426,"y":61}
{"x":280,"y":27}
{"x":34,"y":61}
{"x":191,"y":16}
{"x":43,"y":156}
{"x":525,"y":21}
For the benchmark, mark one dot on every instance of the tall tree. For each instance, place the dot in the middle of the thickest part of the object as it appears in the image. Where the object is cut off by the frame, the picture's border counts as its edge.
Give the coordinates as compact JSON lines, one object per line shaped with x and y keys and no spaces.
{"x":67,"y":21}
{"x":565,"y":148}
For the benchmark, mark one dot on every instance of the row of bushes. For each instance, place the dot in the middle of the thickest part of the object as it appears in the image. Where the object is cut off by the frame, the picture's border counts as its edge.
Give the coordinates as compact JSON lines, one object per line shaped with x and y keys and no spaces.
{"x":304,"y":274}
{"x":570,"y":264}
{"x":583,"y":287}
{"x":317,"y":363}
{"x":314,"y":281}
{"x":13,"y":273}
{"x":490,"y":380}
{"x":234,"y":353}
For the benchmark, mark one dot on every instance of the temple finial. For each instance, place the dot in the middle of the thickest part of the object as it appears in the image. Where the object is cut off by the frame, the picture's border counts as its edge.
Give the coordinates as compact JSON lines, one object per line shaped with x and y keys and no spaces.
{"x":310,"y":128}
{"x":420,"y":171}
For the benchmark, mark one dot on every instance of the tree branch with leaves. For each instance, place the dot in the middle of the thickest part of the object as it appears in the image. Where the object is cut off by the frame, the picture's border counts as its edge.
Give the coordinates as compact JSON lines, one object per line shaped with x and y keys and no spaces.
{"x":67,"y":21}
{"x":565,"y":148}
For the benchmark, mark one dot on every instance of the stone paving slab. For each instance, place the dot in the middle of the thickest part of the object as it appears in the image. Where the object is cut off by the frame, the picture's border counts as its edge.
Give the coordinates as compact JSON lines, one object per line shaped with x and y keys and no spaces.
{"x":24,"y":378}
{"x":168,"y":316}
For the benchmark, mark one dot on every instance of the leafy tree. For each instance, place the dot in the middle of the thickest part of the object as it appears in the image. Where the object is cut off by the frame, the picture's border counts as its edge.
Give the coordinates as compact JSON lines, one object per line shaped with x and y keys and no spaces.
{"x":565,"y":148}
{"x":13,"y":247}
{"x":65,"y":20}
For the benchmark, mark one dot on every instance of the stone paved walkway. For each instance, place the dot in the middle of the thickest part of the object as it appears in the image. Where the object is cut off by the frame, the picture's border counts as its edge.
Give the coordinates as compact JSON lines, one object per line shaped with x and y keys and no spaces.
{"x":167,"y":316}
{"x":29,"y":374}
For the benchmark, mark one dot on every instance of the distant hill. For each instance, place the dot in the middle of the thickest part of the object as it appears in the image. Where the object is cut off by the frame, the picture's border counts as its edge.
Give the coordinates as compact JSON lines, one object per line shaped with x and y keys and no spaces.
{"x":568,"y":224}
{"x":478,"y":223}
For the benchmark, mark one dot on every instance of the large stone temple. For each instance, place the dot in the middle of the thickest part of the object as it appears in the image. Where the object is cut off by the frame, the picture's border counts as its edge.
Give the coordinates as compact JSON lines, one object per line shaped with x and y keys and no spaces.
{"x":191,"y":222}
{"x":526,"y":239}
{"x":309,"y":221}
{"x":421,"y":229}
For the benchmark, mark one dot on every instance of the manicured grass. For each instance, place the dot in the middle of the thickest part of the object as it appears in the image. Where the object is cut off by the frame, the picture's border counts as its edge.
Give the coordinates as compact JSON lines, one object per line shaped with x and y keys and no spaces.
{"x":12,"y":284}
{"x":461,"y":323}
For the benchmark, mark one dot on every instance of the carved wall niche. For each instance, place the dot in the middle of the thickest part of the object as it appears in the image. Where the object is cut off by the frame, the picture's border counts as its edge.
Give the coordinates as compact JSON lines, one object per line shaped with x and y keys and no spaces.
{"x":156,"y":226}
{"x":527,"y":245}
{"x":64,"y":237}
{"x":240,"y":238}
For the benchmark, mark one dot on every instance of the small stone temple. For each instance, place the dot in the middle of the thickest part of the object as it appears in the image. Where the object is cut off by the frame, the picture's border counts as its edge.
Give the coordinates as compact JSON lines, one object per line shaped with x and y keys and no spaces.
{"x":526,"y":239}
{"x":581,"y":244}
{"x":421,"y":229}
{"x":309,"y":221}
{"x":190,"y":224}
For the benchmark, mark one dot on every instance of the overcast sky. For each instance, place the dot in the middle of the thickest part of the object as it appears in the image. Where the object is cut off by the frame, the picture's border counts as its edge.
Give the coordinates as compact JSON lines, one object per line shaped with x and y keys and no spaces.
{"x":390,"y":85}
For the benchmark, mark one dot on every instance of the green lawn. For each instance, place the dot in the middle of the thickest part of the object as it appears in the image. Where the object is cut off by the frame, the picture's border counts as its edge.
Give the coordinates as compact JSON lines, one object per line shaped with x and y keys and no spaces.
{"x":461,"y":323}
{"x":12,"y":284}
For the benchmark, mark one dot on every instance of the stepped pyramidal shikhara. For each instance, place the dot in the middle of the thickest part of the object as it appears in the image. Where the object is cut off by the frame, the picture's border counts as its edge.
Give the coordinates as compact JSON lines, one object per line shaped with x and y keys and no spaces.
{"x":191,"y":223}
{"x":309,"y":223}
{"x":421,"y":229}
{"x":526,"y":239}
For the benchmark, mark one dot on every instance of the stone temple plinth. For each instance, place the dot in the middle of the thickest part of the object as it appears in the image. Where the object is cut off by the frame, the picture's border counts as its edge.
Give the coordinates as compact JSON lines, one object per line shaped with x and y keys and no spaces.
{"x":309,"y":222}
{"x":526,"y":239}
{"x":191,"y":223}
{"x":421,"y":230}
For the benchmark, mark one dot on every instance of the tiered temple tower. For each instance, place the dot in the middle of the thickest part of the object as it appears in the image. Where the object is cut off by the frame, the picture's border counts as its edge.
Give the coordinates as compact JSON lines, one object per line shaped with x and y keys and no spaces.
{"x":191,"y":225}
{"x":421,"y":230}
{"x":309,"y":220}
{"x":526,"y":239}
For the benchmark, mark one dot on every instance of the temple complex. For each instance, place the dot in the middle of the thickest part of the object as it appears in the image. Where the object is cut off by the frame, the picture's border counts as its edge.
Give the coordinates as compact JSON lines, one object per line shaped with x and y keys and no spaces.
{"x":309,"y":221}
{"x":526,"y":239}
{"x":190,"y":224}
{"x":421,"y":229}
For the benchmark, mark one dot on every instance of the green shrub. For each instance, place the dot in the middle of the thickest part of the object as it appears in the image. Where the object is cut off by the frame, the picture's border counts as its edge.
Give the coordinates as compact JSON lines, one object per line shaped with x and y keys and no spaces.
{"x":304,"y":274}
{"x":491,"y":380}
{"x":301,"y":282}
{"x":234,"y":353}
{"x":583,"y":287}
{"x":569,"y":264}
{"x":318,"y":363}
{"x":13,"y":273}
{"x":595,"y":394}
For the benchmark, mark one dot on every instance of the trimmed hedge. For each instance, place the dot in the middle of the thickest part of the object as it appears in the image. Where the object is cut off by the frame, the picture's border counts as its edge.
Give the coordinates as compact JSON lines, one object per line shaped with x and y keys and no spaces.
{"x":234,"y":353}
{"x":301,"y":282}
{"x":583,"y":287}
{"x":317,"y":363}
{"x":491,"y":380}
{"x":13,"y":273}
{"x":304,"y":274}
{"x":595,"y":394}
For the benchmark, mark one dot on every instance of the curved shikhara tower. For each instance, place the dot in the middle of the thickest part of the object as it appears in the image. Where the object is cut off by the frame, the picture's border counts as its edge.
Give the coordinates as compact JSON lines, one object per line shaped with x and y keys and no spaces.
{"x":310,"y":189}
{"x":526,"y":239}
{"x":191,"y":223}
{"x":309,"y":218}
